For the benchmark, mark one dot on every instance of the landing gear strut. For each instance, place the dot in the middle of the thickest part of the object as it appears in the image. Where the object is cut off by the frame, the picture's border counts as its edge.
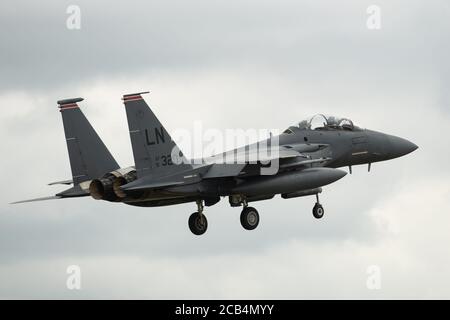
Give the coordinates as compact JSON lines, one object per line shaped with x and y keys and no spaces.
{"x":249,"y":217}
{"x":197,"y":221}
{"x":317,"y":210}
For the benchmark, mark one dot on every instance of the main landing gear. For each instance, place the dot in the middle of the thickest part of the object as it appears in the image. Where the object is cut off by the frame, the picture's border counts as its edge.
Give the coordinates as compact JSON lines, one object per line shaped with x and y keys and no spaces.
{"x":249,"y":215}
{"x":249,"y":218}
{"x":317,"y":210}
{"x":198,"y":224}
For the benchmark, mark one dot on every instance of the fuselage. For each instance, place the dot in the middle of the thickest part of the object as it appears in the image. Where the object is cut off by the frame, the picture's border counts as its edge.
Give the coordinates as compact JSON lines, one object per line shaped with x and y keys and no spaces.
{"x":341,"y":146}
{"x":350,"y":147}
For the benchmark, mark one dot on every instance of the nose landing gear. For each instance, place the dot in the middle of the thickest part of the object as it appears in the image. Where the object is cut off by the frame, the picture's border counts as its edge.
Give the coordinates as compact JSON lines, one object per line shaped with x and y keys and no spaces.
{"x":318,"y":210}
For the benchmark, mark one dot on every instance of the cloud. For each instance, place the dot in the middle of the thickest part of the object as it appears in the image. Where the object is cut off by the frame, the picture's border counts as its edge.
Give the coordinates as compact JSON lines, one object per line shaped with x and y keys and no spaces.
{"x":411,"y":261}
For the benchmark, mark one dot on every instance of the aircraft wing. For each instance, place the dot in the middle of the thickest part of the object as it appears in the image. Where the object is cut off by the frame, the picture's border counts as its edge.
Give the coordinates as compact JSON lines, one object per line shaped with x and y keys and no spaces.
{"x":266,"y":155}
{"x":253,"y":153}
{"x":246,"y":156}
{"x":231,"y":163}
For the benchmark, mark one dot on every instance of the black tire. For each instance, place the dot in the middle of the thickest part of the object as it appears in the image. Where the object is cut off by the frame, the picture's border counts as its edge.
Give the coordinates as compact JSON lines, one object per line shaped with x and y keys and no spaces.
{"x":198,"y":223}
{"x":249,"y":218}
{"x":318,"y":211}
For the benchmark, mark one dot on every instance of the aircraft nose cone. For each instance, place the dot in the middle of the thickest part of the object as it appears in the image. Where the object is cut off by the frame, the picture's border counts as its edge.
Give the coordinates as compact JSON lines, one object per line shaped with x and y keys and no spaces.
{"x":400,"y":146}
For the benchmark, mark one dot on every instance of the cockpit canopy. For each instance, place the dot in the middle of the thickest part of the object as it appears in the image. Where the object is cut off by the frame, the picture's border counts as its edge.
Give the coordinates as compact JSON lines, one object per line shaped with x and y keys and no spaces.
{"x":323,"y":122}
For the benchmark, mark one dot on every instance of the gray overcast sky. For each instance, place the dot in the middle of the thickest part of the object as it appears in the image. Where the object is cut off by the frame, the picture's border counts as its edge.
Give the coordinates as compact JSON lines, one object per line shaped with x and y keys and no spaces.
{"x":246,"y":64}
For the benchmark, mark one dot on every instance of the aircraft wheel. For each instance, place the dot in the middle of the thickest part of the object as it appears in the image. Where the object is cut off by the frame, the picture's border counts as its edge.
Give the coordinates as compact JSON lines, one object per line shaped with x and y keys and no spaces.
{"x":249,"y":218}
{"x":198,"y":223}
{"x":318,"y":211}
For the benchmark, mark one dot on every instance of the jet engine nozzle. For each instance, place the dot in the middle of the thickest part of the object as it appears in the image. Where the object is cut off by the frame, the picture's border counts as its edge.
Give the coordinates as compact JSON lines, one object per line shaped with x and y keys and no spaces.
{"x":120,"y":181}
{"x":105,"y":187}
{"x":102,"y":189}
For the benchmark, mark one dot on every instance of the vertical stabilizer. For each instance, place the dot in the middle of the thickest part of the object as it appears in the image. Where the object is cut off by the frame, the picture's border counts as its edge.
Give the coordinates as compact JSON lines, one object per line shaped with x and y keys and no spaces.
{"x":89,"y":157}
{"x":154,"y":151}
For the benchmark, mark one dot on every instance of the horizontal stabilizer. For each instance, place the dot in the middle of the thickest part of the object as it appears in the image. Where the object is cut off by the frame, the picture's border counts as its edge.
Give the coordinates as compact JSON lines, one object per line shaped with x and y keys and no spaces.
{"x":37,"y":199}
{"x":73,"y":192}
{"x":69,"y":181}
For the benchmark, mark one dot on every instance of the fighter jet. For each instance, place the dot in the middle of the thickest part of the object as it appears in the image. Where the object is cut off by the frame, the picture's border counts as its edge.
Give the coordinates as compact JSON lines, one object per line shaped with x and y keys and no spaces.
{"x":296,"y":163}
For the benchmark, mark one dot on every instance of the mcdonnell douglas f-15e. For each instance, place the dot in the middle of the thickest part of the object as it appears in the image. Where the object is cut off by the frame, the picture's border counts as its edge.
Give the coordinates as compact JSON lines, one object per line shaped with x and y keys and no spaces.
{"x":307,"y":155}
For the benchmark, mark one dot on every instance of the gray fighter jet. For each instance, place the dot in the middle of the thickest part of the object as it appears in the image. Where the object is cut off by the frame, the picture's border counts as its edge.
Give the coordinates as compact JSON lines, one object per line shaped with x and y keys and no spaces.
{"x":296,"y":163}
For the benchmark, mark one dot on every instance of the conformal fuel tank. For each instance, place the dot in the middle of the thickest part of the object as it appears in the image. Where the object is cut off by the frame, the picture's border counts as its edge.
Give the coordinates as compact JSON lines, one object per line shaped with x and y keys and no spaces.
{"x":289,"y":181}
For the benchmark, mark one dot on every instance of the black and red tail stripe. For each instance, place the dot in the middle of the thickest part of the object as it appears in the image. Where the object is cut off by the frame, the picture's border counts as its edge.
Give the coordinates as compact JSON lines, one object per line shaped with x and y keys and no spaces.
{"x":69,"y":103}
{"x":133,"y":96}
